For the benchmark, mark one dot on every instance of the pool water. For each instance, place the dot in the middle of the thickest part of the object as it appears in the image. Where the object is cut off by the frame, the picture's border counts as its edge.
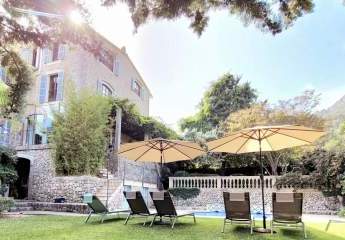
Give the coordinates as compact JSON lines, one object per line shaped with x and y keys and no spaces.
{"x":221,"y":214}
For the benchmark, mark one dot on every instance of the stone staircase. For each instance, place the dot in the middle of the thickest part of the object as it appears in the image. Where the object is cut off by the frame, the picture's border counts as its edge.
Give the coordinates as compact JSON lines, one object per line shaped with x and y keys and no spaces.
{"x":114,"y":186}
{"x":21,"y":206}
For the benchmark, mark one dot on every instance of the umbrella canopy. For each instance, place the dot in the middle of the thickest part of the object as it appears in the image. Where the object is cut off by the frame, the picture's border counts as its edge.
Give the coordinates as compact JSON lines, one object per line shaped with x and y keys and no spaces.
{"x":265,"y":138}
{"x":160,"y":150}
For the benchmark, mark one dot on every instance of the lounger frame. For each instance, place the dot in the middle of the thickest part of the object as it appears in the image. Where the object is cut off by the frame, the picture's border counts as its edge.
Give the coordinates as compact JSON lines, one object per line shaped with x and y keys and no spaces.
{"x":237,"y":212}
{"x":98,"y":208}
{"x":288,"y":214}
{"x":166,"y":209}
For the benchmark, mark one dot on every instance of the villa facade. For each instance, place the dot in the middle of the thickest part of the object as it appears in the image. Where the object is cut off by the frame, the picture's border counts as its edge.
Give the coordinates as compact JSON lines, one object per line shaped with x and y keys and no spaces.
{"x":57,"y":69}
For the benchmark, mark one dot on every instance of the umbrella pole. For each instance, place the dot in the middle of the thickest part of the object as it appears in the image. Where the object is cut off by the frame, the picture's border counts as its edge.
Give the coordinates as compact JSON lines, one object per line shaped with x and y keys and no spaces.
{"x":262,"y":188}
{"x":264,"y":229}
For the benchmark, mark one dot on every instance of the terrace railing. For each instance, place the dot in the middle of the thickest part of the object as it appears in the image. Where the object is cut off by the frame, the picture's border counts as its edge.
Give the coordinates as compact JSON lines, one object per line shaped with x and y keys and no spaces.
{"x":221,"y":182}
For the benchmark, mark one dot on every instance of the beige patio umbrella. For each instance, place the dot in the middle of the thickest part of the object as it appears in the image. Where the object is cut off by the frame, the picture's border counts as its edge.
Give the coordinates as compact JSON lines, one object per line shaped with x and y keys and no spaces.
{"x":265,"y":139}
{"x":160,"y":150}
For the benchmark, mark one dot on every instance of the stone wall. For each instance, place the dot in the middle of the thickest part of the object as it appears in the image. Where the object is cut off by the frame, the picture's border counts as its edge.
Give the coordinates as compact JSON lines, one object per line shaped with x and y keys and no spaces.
{"x":212,"y":199}
{"x":44,"y":185}
{"x":137,"y":171}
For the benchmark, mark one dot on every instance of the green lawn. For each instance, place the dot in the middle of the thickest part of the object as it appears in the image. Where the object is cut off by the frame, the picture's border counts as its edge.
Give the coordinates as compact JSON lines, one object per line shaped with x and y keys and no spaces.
{"x":57,"y":227}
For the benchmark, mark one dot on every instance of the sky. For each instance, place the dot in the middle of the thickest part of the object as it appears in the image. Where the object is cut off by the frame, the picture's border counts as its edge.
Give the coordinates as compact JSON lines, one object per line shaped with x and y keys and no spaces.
{"x":178,"y":66}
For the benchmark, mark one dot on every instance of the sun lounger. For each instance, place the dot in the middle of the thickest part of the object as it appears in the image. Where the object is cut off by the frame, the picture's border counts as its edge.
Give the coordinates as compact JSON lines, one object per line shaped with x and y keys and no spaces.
{"x":137,"y":205}
{"x":166,"y":209}
{"x":98,"y":208}
{"x":287,"y":211}
{"x":237,"y":209}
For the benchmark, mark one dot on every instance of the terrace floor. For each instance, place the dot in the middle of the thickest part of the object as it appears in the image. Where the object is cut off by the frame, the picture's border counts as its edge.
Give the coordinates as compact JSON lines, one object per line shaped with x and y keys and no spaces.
{"x":72,"y":227}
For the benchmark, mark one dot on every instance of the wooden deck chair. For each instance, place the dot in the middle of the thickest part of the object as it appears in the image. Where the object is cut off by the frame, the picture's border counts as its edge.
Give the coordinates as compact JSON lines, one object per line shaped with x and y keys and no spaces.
{"x":137,"y":205}
{"x":287,"y":211}
{"x":237,"y":210}
{"x":98,"y":208}
{"x":166,"y":209}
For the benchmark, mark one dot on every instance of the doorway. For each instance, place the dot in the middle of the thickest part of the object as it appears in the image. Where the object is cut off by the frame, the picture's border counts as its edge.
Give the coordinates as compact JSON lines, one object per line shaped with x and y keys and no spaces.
{"x":20,"y":188}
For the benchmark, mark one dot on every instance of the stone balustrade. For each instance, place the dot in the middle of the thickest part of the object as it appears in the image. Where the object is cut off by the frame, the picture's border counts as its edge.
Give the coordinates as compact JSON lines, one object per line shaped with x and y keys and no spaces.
{"x":221,"y":182}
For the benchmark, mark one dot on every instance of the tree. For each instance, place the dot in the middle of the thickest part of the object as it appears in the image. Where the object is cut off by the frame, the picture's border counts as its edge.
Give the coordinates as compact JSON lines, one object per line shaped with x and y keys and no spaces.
{"x":8,"y":173}
{"x":258,"y":12}
{"x":42,"y":30}
{"x":299,"y":110}
{"x":322,"y":169}
{"x":226,"y":95}
{"x":80,"y":134}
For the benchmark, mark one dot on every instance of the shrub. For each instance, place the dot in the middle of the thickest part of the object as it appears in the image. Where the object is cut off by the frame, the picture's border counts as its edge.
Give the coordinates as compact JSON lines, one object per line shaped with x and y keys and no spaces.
{"x":185,"y":193}
{"x":8,"y":173}
{"x":181,"y":173}
{"x":80,"y":134}
{"x":5,"y":204}
{"x":341,"y":213}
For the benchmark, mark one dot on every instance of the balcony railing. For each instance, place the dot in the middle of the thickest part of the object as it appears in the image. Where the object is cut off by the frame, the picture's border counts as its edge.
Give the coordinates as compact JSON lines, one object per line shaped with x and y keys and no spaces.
{"x":221,"y":182}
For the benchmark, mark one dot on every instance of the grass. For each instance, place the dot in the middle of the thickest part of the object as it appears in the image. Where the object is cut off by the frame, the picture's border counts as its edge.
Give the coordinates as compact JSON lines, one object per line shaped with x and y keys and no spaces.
{"x":58,"y":227}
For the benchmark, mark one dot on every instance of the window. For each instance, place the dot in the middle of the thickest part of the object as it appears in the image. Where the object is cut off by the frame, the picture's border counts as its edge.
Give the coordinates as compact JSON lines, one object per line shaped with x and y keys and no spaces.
{"x":57,"y":52}
{"x":136,"y":87}
{"x":34,"y":58}
{"x":51,"y":88}
{"x":107,"y":59}
{"x":55,"y":56}
{"x":116,"y":67}
{"x":36,"y":132}
{"x":52,"y":93}
{"x":106,"y":91}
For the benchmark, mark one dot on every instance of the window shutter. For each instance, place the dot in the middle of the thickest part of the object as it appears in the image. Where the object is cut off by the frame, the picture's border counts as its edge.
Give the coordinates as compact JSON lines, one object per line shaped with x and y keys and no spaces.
{"x":26,"y":55}
{"x":2,"y":74}
{"x":142,"y":93}
{"x":43,"y":89}
{"x":59,"y":90}
{"x":62,"y":51}
{"x":132,"y":84}
{"x":99,"y":87}
{"x":47,"y":55}
{"x":116,"y":66}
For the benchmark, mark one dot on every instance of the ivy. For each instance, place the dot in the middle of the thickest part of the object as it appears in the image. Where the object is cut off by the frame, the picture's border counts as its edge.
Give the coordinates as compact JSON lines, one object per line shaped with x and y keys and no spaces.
{"x":18,"y":80}
{"x":136,"y":125}
{"x":185,"y":193}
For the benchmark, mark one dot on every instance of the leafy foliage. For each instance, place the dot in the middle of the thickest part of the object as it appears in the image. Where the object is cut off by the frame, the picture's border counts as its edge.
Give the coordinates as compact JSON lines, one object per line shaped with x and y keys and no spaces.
{"x":80,"y":134}
{"x":336,"y":139}
{"x":5,"y":204}
{"x":18,"y":80}
{"x":136,"y":125}
{"x":298,"y":110}
{"x":341,"y":213}
{"x":325,"y":170}
{"x":224,"y":96}
{"x":8,"y":173}
{"x":258,"y":12}
{"x":184,"y":193}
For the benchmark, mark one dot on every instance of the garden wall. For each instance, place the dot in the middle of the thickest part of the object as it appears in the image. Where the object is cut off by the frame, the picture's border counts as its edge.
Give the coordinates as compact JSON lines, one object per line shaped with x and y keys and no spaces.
{"x":212,"y":188}
{"x":212,"y":199}
{"x":44,"y":185}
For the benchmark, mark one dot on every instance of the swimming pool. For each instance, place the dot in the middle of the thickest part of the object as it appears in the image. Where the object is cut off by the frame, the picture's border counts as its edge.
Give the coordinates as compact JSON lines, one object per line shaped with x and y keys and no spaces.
{"x":221,"y":214}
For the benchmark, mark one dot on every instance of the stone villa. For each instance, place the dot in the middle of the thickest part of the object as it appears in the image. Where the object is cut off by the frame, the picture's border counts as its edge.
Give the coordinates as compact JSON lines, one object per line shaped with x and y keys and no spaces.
{"x":55,"y":68}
